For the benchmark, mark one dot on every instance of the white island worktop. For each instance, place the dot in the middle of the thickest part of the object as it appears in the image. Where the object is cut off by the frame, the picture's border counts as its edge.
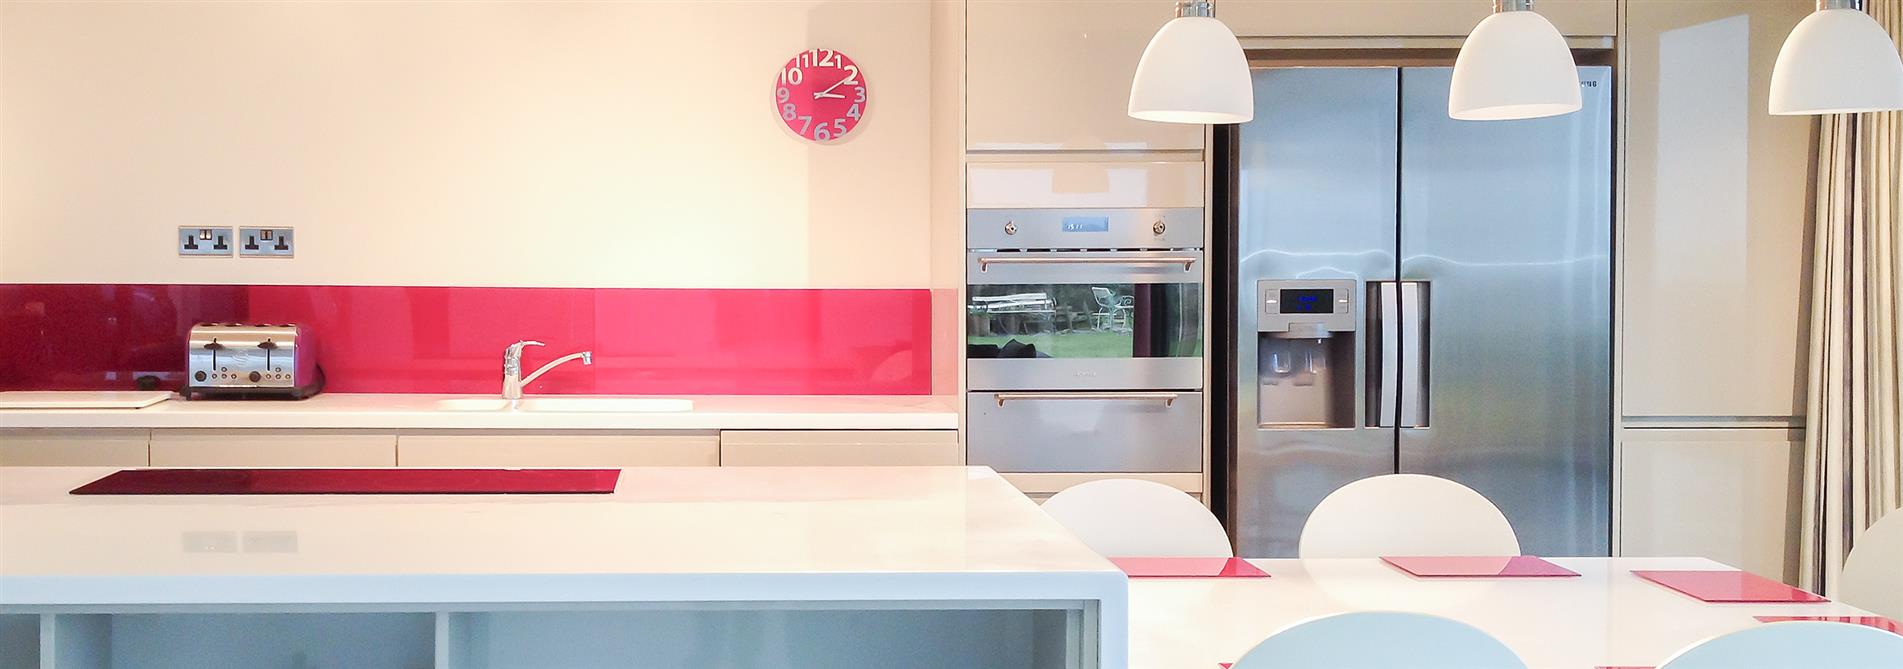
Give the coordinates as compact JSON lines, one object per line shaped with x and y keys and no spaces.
{"x":408,"y":411}
{"x":868,"y":562}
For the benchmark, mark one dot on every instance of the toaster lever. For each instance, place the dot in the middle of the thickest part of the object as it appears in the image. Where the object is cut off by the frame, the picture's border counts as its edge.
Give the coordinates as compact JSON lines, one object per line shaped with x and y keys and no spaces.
{"x":267,"y":344}
{"x":213,"y":345}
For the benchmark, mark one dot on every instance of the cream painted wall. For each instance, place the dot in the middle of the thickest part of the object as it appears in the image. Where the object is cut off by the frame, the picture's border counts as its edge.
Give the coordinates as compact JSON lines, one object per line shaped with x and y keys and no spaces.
{"x":462,"y":143}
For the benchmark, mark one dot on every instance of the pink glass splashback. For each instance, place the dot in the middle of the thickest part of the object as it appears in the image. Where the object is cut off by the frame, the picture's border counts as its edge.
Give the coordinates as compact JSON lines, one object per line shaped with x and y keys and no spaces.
{"x":375,"y":339}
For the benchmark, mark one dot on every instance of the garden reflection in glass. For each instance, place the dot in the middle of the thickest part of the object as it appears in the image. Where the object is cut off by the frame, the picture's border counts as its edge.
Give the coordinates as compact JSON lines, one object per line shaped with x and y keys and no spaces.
{"x":1111,"y":320}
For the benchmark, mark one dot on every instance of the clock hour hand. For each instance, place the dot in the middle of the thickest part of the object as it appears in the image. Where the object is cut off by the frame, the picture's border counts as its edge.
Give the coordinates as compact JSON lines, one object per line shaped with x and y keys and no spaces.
{"x":823,"y":94}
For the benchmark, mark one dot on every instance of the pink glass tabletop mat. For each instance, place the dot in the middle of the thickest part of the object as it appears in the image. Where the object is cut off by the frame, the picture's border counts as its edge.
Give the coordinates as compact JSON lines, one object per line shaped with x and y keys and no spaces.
{"x":1879,"y":622}
{"x":1522,"y":566}
{"x":354,"y":482}
{"x":1187,"y":567}
{"x":1729,"y":587}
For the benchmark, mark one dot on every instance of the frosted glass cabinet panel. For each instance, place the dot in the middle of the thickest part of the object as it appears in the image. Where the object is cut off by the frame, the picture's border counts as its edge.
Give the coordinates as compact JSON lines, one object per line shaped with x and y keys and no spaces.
{"x":1714,"y":281}
{"x":1048,"y":75}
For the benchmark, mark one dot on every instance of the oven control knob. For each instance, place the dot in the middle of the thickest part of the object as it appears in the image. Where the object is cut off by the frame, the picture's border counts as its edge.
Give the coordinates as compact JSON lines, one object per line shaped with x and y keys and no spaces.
{"x":1158,"y":227}
{"x":1010,"y":227}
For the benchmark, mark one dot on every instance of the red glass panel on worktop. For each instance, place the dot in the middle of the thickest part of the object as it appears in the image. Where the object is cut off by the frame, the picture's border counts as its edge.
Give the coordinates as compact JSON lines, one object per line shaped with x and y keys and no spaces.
{"x":393,"y":339}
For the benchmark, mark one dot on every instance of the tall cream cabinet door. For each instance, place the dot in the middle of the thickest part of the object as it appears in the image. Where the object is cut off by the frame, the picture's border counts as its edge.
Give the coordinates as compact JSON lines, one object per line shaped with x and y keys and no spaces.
{"x":1714,"y":285}
{"x":1054,"y":75}
{"x":1729,"y":495}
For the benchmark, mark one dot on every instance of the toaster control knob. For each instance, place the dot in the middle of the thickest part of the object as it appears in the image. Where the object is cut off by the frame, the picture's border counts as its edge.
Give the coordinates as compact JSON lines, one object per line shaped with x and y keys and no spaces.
{"x":200,"y":376}
{"x":255,"y":376}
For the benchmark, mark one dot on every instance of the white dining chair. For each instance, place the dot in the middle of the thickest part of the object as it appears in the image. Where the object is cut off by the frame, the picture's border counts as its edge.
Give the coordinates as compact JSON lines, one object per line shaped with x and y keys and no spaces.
{"x":1137,"y":518}
{"x":1795,"y":645}
{"x":1873,"y":574}
{"x":1406,"y":514}
{"x":1380,"y":640}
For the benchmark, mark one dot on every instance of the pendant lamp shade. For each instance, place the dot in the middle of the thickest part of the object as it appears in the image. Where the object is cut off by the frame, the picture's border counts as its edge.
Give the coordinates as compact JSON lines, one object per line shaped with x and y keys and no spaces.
{"x":1837,"y":61}
{"x":1514,"y":65}
{"x":1193,"y":72}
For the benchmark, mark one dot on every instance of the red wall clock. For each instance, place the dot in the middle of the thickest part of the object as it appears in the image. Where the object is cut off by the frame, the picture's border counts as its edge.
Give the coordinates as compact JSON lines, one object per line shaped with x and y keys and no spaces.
{"x":820,"y":95}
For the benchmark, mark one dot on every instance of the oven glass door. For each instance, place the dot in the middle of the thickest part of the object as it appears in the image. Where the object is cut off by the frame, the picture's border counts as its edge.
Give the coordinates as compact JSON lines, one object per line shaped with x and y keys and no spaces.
{"x":1074,"y":320}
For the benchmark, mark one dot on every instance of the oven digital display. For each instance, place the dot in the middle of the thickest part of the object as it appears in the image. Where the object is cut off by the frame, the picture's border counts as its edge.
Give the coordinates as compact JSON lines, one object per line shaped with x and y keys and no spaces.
{"x":1086,"y":224}
{"x":1308,"y":301}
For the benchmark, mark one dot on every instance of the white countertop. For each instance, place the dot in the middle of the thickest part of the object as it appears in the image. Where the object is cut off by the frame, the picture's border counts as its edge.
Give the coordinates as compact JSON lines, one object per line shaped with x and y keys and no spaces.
{"x":393,"y":411}
{"x":666,"y":535}
{"x":1605,"y":617}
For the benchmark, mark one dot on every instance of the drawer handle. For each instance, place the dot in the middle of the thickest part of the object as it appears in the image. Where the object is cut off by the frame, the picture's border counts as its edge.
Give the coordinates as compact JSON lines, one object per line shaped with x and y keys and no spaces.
{"x":1168,"y":399}
{"x":985,"y":264}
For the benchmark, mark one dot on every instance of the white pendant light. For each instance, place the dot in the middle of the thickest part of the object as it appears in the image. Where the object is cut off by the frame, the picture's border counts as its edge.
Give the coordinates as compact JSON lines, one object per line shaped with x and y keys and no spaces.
{"x":1514,"y":65}
{"x":1837,"y":61}
{"x":1193,"y":72}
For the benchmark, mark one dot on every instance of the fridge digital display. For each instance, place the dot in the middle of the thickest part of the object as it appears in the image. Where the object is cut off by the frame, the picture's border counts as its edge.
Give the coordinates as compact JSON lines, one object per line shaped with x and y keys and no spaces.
{"x":1308,"y":301}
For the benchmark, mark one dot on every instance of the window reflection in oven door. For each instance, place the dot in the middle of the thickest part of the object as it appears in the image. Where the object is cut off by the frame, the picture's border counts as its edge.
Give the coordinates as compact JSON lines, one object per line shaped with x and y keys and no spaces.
{"x":1084,"y":320}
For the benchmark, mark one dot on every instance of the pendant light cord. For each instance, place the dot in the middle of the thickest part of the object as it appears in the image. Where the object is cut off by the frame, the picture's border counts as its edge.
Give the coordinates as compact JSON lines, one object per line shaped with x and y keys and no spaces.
{"x":1202,"y":8}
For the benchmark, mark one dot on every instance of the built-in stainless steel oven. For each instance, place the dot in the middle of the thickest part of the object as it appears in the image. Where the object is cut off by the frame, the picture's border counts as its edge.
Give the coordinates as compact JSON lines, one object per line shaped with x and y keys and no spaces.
{"x":1084,"y":339}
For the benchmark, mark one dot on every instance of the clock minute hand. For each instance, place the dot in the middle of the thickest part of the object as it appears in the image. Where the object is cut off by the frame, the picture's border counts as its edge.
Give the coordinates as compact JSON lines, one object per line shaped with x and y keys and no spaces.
{"x":829,"y":89}
{"x":823,"y":94}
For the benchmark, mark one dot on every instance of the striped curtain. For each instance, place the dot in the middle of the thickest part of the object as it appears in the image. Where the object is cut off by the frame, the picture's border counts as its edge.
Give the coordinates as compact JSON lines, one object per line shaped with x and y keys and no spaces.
{"x":1852,"y":458}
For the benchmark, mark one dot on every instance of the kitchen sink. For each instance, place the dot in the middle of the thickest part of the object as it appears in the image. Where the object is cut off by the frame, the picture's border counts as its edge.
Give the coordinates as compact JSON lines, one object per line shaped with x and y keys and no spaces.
{"x":570,"y":404}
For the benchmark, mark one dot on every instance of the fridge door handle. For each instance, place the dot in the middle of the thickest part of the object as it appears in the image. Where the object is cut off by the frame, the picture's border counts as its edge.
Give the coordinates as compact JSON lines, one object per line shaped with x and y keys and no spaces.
{"x":1387,"y":326}
{"x":1413,"y":335}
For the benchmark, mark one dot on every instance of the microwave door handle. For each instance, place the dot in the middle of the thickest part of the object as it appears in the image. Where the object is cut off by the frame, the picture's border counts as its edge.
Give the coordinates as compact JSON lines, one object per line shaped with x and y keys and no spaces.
{"x":1413,"y":328}
{"x":1387,"y":326}
{"x":1186,"y":261}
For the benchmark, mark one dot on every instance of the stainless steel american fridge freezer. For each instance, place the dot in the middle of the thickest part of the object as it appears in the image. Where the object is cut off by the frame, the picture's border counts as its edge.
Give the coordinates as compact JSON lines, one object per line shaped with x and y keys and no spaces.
{"x":1424,"y":295}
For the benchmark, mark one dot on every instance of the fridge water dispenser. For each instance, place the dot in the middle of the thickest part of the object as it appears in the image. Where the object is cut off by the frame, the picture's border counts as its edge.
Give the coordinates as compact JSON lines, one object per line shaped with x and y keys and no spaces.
{"x":1306,"y":366}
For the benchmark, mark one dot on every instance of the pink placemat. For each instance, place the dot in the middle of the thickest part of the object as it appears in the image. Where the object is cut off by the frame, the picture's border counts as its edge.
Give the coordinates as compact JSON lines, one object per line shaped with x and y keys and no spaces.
{"x":1879,"y":622}
{"x":1729,"y":587}
{"x":1187,"y":567}
{"x":391,"y":481}
{"x":1523,"y":566}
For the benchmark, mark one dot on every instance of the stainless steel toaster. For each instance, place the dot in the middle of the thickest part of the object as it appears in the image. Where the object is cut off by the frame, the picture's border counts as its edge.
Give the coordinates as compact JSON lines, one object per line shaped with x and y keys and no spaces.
{"x":240,"y":361}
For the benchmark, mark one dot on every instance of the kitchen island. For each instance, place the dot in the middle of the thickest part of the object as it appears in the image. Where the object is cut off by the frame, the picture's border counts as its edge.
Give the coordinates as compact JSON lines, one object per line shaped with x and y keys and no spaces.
{"x":680,"y":567}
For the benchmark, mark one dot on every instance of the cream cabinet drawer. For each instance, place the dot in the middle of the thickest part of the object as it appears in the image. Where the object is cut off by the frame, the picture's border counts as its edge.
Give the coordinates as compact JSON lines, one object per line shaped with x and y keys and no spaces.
{"x":273,"y":448}
{"x":1084,"y":185}
{"x":570,"y":448}
{"x":1040,"y":486}
{"x":767,"y":448}
{"x":36,"y":447}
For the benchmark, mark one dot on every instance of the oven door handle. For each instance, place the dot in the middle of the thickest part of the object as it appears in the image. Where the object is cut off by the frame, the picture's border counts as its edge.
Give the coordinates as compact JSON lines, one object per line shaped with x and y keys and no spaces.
{"x":1187,"y":262}
{"x":1168,"y":399}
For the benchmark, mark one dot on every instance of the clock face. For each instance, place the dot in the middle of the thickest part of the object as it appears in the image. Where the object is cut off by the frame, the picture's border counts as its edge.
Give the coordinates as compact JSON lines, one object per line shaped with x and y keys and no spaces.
{"x":820,"y":95}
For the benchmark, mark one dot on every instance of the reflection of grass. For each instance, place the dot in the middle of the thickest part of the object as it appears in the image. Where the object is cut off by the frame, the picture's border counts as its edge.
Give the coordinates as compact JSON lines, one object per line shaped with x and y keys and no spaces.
{"x":1080,"y":344}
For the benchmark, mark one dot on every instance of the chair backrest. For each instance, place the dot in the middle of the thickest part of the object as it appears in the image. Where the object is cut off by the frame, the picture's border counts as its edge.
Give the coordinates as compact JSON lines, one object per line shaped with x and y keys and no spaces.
{"x":1106,"y":298}
{"x":1873,"y":574}
{"x":1795,"y":645}
{"x":1380,"y":640}
{"x":1137,"y":518}
{"x":1406,"y":514}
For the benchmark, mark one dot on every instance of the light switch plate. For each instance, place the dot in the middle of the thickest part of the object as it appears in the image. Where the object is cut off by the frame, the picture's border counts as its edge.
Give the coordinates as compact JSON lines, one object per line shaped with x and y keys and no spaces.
{"x":197,"y":242}
{"x":266,"y":242}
